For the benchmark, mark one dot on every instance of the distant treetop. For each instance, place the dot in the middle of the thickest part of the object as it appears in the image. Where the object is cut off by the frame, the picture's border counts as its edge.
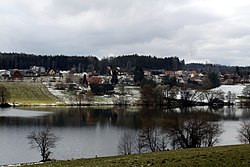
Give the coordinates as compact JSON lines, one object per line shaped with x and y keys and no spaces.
{"x":87,"y":63}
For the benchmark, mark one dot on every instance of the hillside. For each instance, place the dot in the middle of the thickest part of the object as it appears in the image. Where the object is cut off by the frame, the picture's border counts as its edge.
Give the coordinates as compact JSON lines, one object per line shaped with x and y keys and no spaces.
{"x":213,"y":156}
{"x":29,"y":93}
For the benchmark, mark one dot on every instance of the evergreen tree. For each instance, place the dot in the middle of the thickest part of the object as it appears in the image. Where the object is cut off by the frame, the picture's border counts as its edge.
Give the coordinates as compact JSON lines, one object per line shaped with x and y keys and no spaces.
{"x":83,"y":81}
{"x":171,"y":81}
{"x":138,"y":74}
{"x":114,"y":79}
{"x":214,"y":79}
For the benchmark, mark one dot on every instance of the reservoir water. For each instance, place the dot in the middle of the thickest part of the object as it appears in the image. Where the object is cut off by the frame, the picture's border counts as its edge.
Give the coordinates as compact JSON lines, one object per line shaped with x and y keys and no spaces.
{"x":90,"y":132}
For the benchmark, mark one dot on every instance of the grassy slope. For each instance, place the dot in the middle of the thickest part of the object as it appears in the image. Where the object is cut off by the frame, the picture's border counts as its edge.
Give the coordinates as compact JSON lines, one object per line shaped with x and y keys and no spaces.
{"x":213,"y":156}
{"x":29,"y":93}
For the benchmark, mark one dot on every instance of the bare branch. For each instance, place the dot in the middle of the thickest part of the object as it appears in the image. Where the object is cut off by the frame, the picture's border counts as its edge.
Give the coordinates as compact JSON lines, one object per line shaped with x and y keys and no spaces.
{"x":43,"y":141}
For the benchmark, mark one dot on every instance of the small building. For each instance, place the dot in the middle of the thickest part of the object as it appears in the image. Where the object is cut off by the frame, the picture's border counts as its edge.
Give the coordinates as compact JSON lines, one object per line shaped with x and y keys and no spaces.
{"x":95,"y":80}
{"x":169,"y":73}
{"x":30,"y":73}
{"x":17,"y":74}
{"x":39,"y":70}
{"x":5,"y":74}
{"x":52,"y":72}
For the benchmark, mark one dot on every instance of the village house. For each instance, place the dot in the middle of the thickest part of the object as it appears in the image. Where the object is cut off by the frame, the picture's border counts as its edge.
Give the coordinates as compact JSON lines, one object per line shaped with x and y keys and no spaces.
{"x":230,"y":79}
{"x":40,"y":71}
{"x":16,"y":74}
{"x":5,"y":74}
{"x":170,"y":73}
{"x":30,"y":73}
{"x":95,"y":80}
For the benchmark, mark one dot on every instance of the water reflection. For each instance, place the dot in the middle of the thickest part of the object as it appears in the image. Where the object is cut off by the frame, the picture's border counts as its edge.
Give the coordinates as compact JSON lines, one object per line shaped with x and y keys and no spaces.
{"x":11,"y":112}
{"x":71,"y":117}
{"x":121,"y":117}
{"x":245,"y":113}
{"x":87,"y":132}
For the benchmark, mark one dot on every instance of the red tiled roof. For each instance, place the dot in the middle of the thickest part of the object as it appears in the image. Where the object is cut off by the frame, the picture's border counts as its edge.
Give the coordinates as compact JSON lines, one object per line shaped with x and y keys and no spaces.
{"x":96,"y":80}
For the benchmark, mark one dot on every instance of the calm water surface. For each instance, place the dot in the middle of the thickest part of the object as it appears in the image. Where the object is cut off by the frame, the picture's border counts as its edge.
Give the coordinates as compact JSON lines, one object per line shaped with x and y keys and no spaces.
{"x":89,"y":132}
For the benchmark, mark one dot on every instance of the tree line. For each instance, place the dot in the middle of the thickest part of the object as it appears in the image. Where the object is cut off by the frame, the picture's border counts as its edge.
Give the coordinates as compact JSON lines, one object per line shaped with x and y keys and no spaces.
{"x":58,"y":62}
{"x":146,"y":62}
{"x":223,"y":69}
{"x":125,"y":62}
{"x":87,"y":63}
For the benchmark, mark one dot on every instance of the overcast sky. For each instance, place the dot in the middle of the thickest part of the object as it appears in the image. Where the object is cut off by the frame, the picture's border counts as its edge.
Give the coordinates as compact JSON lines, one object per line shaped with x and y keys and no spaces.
{"x":213,"y":31}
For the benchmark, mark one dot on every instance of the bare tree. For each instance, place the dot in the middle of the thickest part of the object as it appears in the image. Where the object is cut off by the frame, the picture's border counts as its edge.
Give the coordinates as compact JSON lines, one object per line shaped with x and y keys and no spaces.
{"x":147,"y":95}
{"x":246,"y":91}
{"x":171,"y":91}
{"x":153,"y":96}
{"x":159,"y":95}
{"x":244,"y":132}
{"x":125,"y":145}
{"x":70,"y":78}
{"x":212,"y":96}
{"x":192,"y":130}
{"x":80,"y":97}
{"x":212,"y":133}
{"x":139,"y":144}
{"x":152,"y":139}
{"x":43,"y":141}
{"x":189,"y":97}
{"x":230,"y":97}
{"x":146,"y":139}
{"x":4,"y":94}
{"x":89,"y":97}
{"x":122,"y":99}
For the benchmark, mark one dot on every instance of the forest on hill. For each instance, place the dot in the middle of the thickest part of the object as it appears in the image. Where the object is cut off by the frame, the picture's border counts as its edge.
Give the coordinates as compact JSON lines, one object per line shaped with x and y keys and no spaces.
{"x":124,"y":62}
{"x":223,"y":69}
{"x":87,"y":63}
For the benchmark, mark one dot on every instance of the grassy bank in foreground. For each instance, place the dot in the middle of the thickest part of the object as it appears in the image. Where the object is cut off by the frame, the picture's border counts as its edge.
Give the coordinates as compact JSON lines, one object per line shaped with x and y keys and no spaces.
{"x":28,"y":93}
{"x":213,"y":156}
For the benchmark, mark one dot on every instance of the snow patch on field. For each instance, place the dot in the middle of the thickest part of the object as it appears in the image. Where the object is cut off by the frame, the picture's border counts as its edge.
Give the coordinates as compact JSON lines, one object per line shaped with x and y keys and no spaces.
{"x":59,"y":94}
{"x":235,"y":89}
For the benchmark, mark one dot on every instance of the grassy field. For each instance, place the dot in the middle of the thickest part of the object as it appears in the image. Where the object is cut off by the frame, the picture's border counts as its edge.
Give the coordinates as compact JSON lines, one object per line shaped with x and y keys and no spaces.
{"x":212,"y":156}
{"x":29,"y":93}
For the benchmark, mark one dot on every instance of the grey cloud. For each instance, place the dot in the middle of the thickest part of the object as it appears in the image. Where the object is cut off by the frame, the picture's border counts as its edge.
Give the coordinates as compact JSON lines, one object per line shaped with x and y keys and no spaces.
{"x":160,"y":28}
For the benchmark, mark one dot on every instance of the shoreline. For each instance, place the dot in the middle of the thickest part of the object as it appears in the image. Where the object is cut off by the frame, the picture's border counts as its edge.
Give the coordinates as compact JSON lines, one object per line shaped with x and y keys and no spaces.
{"x":227,"y":155}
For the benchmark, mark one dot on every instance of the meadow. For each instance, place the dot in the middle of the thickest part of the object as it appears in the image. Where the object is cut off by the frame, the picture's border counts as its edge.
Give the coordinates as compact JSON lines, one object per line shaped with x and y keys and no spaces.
{"x":237,"y":155}
{"x":29,"y":93}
